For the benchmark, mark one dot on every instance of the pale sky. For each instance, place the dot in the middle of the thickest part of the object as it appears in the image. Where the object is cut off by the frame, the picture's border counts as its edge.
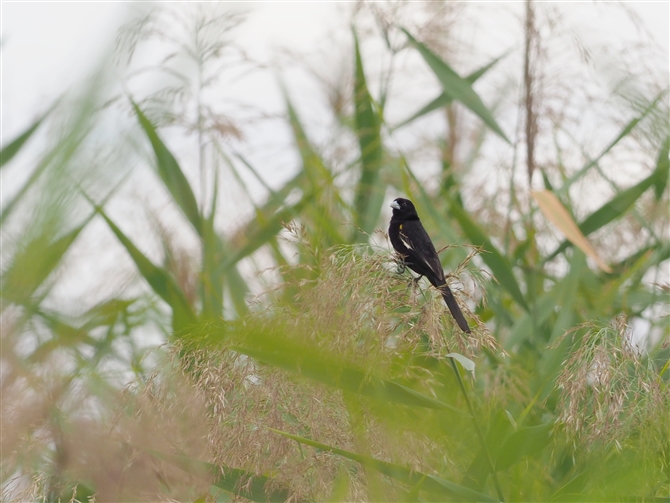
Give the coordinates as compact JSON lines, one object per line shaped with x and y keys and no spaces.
{"x":49,"y":46}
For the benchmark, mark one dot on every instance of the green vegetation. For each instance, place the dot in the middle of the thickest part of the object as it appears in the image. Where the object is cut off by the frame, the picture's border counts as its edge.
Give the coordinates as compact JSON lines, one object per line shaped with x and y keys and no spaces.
{"x":326,"y":373}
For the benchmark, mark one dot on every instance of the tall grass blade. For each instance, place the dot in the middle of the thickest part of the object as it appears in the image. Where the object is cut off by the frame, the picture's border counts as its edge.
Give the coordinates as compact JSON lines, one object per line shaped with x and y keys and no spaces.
{"x":319,"y":182}
{"x":412,"y":478}
{"x":158,"y":278}
{"x":662,"y":169}
{"x":526,"y":442}
{"x":211,"y":283}
{"x":56,"y":158}
{"x":259,"y":231}
{"x":444,"y":99}
{"x":33,"y":264}
{"x":478,"y":471}
{"x":63,"y":335}
{"x":498,"y":263}
{"x":526,"y":327}
{"x":327,"y":371}
{"x":369,"y":194}
{"x":9,"y":151}
{"x":457,"y":88}
{"x":171,"y":173}
{"x":234,"y":480}
{"x":622,"y":134}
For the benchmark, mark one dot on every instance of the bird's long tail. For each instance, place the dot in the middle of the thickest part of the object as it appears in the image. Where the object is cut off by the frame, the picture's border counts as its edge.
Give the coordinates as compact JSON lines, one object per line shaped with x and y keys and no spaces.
{"x":456,"y":312}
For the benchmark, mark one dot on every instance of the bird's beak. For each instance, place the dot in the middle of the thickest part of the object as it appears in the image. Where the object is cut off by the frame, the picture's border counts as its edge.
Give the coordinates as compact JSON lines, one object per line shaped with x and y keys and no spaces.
{"x":395,"y":205}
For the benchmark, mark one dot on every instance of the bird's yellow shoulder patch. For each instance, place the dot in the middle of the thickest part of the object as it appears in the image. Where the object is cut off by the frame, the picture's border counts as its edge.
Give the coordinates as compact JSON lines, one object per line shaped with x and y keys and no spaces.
{"x":400,"y":227}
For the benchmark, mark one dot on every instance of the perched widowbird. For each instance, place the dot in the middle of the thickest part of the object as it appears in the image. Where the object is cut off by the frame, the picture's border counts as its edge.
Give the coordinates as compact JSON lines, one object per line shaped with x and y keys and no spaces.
{"x":417,"y":251}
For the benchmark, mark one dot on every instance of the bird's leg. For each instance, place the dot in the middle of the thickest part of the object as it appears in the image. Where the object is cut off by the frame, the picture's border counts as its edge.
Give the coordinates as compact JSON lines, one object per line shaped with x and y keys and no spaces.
{"x":401,"y":267}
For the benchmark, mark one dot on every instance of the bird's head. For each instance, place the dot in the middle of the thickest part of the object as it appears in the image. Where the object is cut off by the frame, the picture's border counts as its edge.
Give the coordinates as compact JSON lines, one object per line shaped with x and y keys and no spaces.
{"x":403,"y":207}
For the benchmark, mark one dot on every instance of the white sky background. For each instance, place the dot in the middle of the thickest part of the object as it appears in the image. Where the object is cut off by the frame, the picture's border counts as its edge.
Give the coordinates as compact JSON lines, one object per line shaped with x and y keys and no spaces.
{"x":50,"y":47}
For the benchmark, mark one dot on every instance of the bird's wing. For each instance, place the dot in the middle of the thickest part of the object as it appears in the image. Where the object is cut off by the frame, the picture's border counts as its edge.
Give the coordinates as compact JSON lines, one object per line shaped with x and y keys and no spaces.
{"x":420,"y":248}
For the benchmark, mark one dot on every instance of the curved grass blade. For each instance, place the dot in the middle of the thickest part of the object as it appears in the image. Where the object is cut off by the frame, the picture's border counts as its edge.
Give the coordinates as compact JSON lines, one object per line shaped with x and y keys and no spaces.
{"x":211,"y":283}
{"x":526,"y":442}
{"x":616,"y":207}
{"x":215,"y":251}
{"x":260,"y":230}
{"x":444,"y":99}
{"x":624,"y":132}
{"x":662,"y":169}
{"x":63,"y":335}
{"x":457,"y":88}
{"x":369,"y":194}
{"x":478,"y":471}
{"x":171,"y":173}
{"x":35,"y":261}
{"x":158,"y":278}
{"x":319,"y":182}
{"x":234,"y":480}
{"x":326,"y":371}
{"x":58,"y":158}
{"x":33,"y":265}
{"x":413,"y":478}
{"x":563,"y":294}
{"x":498,"y":263}
{"x":13,"y":148}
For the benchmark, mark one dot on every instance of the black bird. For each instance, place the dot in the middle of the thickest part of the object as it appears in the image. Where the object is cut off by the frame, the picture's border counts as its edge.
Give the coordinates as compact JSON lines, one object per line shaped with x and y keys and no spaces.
{"x":412,"y":242}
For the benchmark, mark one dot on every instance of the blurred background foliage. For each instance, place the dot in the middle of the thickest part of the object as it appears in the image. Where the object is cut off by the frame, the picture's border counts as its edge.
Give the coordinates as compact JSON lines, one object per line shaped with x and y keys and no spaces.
{"x":205,"y":330}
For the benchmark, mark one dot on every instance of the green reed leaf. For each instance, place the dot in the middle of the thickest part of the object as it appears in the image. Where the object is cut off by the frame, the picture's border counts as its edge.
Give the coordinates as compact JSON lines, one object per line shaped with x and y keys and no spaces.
{"x":327,"y":371}
{"x":457,"y":88}
{"x":445,"y":99}
{"x":499,"y":264}
{"x":369,"y":194}
{"x":234,"y":480}
{"x":426,"y":482}
{"x":33,"y":264}
{"x":171,"y":173}
{"x":162,"y":283}
{"x":10,"y":150}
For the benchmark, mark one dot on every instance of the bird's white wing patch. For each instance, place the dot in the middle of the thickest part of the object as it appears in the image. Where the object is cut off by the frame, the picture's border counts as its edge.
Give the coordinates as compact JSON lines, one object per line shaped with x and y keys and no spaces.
{"x":405,"y":241}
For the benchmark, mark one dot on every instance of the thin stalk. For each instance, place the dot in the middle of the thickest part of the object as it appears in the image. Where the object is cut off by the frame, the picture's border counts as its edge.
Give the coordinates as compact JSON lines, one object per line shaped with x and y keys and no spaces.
{"x":529,"y":84}
{"x":489,"y":460}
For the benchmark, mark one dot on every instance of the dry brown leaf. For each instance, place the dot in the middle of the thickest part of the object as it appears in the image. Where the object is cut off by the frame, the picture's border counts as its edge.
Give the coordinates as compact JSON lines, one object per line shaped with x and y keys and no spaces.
{"x":556,"y":213}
